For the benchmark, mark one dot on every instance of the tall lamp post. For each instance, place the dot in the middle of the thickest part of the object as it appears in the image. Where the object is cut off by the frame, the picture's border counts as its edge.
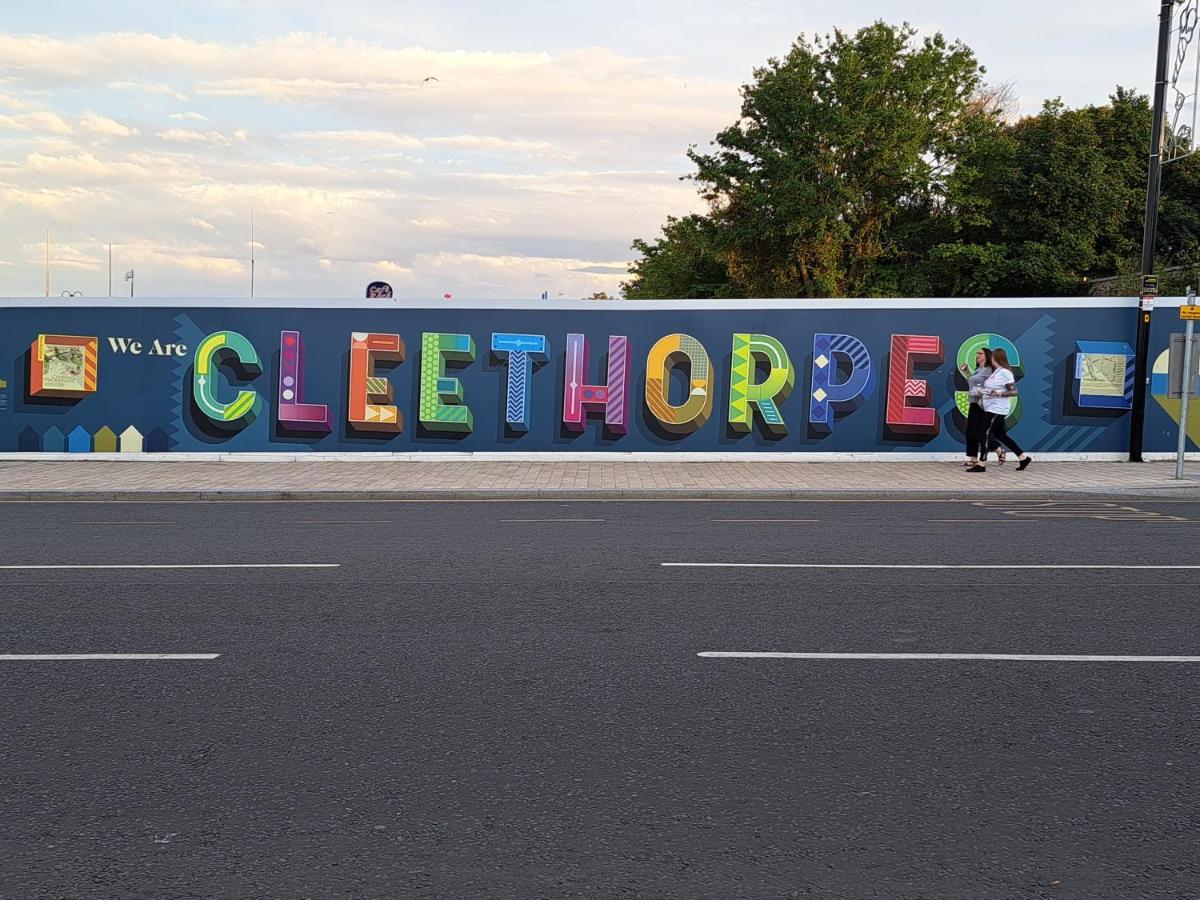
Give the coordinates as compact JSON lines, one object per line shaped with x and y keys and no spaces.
{"x":1137,"y":425}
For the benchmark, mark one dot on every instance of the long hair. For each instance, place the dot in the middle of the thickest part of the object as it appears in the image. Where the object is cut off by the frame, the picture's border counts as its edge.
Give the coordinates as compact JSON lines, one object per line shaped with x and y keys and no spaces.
{"x":987,"y":357}
{"x":1000,"y":358}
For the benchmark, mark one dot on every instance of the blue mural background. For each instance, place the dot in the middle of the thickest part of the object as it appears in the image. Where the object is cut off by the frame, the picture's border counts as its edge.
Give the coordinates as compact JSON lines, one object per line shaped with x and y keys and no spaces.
{"x":153,"y":393}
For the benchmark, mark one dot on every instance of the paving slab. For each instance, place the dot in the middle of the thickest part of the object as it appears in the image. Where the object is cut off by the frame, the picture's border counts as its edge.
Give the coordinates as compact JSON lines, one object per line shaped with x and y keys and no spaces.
{"x":229,"y":479}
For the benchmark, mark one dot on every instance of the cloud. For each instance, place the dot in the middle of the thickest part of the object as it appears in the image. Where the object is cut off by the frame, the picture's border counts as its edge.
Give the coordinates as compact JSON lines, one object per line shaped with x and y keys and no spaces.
{"x":82,"y":165}
{"x":105,"y":126}
{"x":513,"y":171}
{"x":40,"y":122}
{"x":191,"y":136}
{"x":158,"y":88}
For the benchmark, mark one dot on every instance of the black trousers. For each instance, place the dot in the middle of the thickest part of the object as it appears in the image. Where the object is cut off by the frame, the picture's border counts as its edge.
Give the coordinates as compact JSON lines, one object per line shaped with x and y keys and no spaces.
{"x":978,"y":444}
{"x":996,"y":433}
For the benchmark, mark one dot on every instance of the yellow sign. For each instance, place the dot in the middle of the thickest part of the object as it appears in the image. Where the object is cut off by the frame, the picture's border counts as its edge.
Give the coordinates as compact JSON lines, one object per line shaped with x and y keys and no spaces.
{"x":1189,"y":312}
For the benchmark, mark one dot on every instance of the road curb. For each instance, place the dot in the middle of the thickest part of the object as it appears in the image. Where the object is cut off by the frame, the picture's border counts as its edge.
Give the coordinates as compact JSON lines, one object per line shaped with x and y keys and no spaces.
{"x":728,"y":494}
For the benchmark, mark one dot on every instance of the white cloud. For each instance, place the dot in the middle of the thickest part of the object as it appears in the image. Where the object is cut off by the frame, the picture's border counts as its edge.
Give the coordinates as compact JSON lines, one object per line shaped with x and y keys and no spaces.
{"x":105,"y":126}
{"x":512,"y":174}
{"x":191,"y":136}
{"x":40,"y":122}
{"x":155,"y":88}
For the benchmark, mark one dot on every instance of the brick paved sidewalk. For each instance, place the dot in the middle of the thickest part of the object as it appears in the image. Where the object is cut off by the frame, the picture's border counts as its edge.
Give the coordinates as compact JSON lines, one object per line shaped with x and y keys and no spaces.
{"x":316,"y":479}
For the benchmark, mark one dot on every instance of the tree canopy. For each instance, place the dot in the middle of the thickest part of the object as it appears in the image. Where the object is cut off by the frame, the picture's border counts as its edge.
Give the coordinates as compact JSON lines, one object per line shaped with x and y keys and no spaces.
{"x":880,"y":164}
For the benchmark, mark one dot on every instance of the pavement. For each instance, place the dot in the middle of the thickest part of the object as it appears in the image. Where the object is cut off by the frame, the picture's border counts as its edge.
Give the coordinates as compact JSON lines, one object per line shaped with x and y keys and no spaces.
{"x":230,"y":478}
{"x":508,"y":699}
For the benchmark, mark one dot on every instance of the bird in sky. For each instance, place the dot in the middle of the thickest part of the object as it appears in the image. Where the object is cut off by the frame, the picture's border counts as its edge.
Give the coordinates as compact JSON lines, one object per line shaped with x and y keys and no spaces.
{"x":430,"y":78}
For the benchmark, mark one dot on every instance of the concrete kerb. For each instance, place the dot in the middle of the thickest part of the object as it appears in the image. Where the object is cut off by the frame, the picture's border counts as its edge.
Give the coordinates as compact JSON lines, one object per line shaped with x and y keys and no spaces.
{"x":1190,"y":491}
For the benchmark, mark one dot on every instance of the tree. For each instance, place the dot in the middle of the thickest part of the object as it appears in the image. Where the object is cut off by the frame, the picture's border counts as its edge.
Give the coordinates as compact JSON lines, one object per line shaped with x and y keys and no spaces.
{"x":683,"y":264}
{"x":1048,"y":200}
{"x":877,"y":165}
{"x":830,"y":179}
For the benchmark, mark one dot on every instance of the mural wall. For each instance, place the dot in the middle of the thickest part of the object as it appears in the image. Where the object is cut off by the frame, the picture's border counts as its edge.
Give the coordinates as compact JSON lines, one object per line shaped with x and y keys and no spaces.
{"x":756,"y":377}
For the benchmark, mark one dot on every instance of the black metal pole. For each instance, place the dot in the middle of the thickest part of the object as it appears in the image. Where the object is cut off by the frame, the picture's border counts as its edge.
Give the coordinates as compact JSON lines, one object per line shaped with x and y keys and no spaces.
{"x":1137,"y":423}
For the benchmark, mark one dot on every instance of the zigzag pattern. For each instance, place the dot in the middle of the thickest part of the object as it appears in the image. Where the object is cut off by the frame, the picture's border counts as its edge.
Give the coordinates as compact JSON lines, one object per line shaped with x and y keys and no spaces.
{"x":518,"y":374}
{"x":917,"y":418}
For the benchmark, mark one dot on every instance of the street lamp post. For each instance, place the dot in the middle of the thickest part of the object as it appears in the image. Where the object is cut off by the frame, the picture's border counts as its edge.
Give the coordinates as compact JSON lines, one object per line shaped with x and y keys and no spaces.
{"x":1137,"y":424}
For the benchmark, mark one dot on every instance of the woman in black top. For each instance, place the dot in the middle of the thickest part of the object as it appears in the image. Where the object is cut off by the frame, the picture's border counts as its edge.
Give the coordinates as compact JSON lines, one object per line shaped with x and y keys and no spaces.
{"x":977,"y":448}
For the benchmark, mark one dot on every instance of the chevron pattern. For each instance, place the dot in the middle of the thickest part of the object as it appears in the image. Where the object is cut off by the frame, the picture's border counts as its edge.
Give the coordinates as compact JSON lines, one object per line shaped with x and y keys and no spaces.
{"x":369,"y":404}
{"x":523,"y":351}
{"x":744,"y":395}
{"x":908,"y":408}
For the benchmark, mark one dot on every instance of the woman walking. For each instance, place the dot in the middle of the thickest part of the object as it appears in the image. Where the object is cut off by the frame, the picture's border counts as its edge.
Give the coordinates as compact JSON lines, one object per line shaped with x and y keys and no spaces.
{"x":998,"y":390}
{"x":977,"y":448}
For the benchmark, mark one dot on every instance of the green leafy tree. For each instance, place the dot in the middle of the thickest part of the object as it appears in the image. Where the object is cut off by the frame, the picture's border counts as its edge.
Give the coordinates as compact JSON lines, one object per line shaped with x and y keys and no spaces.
{"x":874,"y":164}
{"x":683,"y":264}
{"x":830,"y":180}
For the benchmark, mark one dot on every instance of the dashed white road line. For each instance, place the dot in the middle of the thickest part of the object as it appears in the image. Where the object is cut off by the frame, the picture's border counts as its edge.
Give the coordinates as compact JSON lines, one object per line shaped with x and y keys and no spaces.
{"x":723,"y":565}
{"x":179,"y":566}
{"x":73,"y":657}
{"x":765,"y":521}
{"x":1002,"y":657}
{"x":550,"y":520}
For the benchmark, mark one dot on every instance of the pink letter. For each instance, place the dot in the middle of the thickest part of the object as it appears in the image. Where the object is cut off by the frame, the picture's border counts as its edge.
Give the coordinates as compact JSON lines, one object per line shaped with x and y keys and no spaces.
{"x":613,"y":396}
{"x":907,"y":397}
{"x":294,"y":413}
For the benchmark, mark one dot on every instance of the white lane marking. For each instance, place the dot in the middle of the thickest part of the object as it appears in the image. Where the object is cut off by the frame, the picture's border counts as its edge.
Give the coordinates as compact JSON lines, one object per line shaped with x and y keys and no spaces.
{"x":346,"y":522}
{"x":110,"y":524}
{"x":552,"y":520}
{"x":722,"y":565}
{"x":39,"y":657}
{"x":187,"y":566}
{"x":1006,"y":657}
{"x":764,"y":521}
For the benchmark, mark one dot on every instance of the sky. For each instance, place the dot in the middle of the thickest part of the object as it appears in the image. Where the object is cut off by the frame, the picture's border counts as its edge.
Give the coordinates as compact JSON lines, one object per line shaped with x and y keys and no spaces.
{"x":481,"y":149}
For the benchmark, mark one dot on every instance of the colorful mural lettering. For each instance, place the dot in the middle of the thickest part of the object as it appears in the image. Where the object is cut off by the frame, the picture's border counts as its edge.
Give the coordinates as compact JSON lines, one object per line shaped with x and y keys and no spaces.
{"x":522,"y":351}
{"x":612,"y":396}
{"x":246,"y":406}
{"x":696,"y":408}
{"x":908,"y":397}
{"x":294,"y":413}
{"x":747,"y":395}
{"x":442,"y":407}
{"x":370,"y":400}
{"x":829,"y":395}
{"x":333,"y":377}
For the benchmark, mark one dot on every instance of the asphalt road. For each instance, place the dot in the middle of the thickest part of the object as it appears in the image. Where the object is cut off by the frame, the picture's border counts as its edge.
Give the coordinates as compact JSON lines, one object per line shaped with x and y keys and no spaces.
{"x":505,"y":699}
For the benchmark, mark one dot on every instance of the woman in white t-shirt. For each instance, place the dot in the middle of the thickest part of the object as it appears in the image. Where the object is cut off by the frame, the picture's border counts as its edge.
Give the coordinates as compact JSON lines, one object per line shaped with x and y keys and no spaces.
{"x":998,"y":391}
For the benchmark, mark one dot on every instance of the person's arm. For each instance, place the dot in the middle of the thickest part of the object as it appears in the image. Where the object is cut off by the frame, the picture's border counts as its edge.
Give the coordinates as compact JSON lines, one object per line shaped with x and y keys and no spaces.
{"x":1009,"y":389}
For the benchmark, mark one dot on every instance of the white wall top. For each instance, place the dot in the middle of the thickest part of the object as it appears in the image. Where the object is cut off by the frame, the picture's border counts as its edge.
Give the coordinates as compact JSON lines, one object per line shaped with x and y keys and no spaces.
{"x":591,"y":305}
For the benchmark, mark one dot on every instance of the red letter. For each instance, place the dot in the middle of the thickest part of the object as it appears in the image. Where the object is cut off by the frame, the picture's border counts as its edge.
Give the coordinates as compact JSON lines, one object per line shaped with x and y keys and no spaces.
{"x":908,"y":409}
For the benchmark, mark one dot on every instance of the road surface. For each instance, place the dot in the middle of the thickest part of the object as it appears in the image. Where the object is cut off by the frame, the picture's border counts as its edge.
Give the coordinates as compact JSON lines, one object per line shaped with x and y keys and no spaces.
{"x":508,"y":699}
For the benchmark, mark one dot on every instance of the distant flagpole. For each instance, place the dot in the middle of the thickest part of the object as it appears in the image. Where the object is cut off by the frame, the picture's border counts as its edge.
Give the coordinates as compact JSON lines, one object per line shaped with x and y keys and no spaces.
{"x":110,"y":269}
{"x":251,"y":251}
